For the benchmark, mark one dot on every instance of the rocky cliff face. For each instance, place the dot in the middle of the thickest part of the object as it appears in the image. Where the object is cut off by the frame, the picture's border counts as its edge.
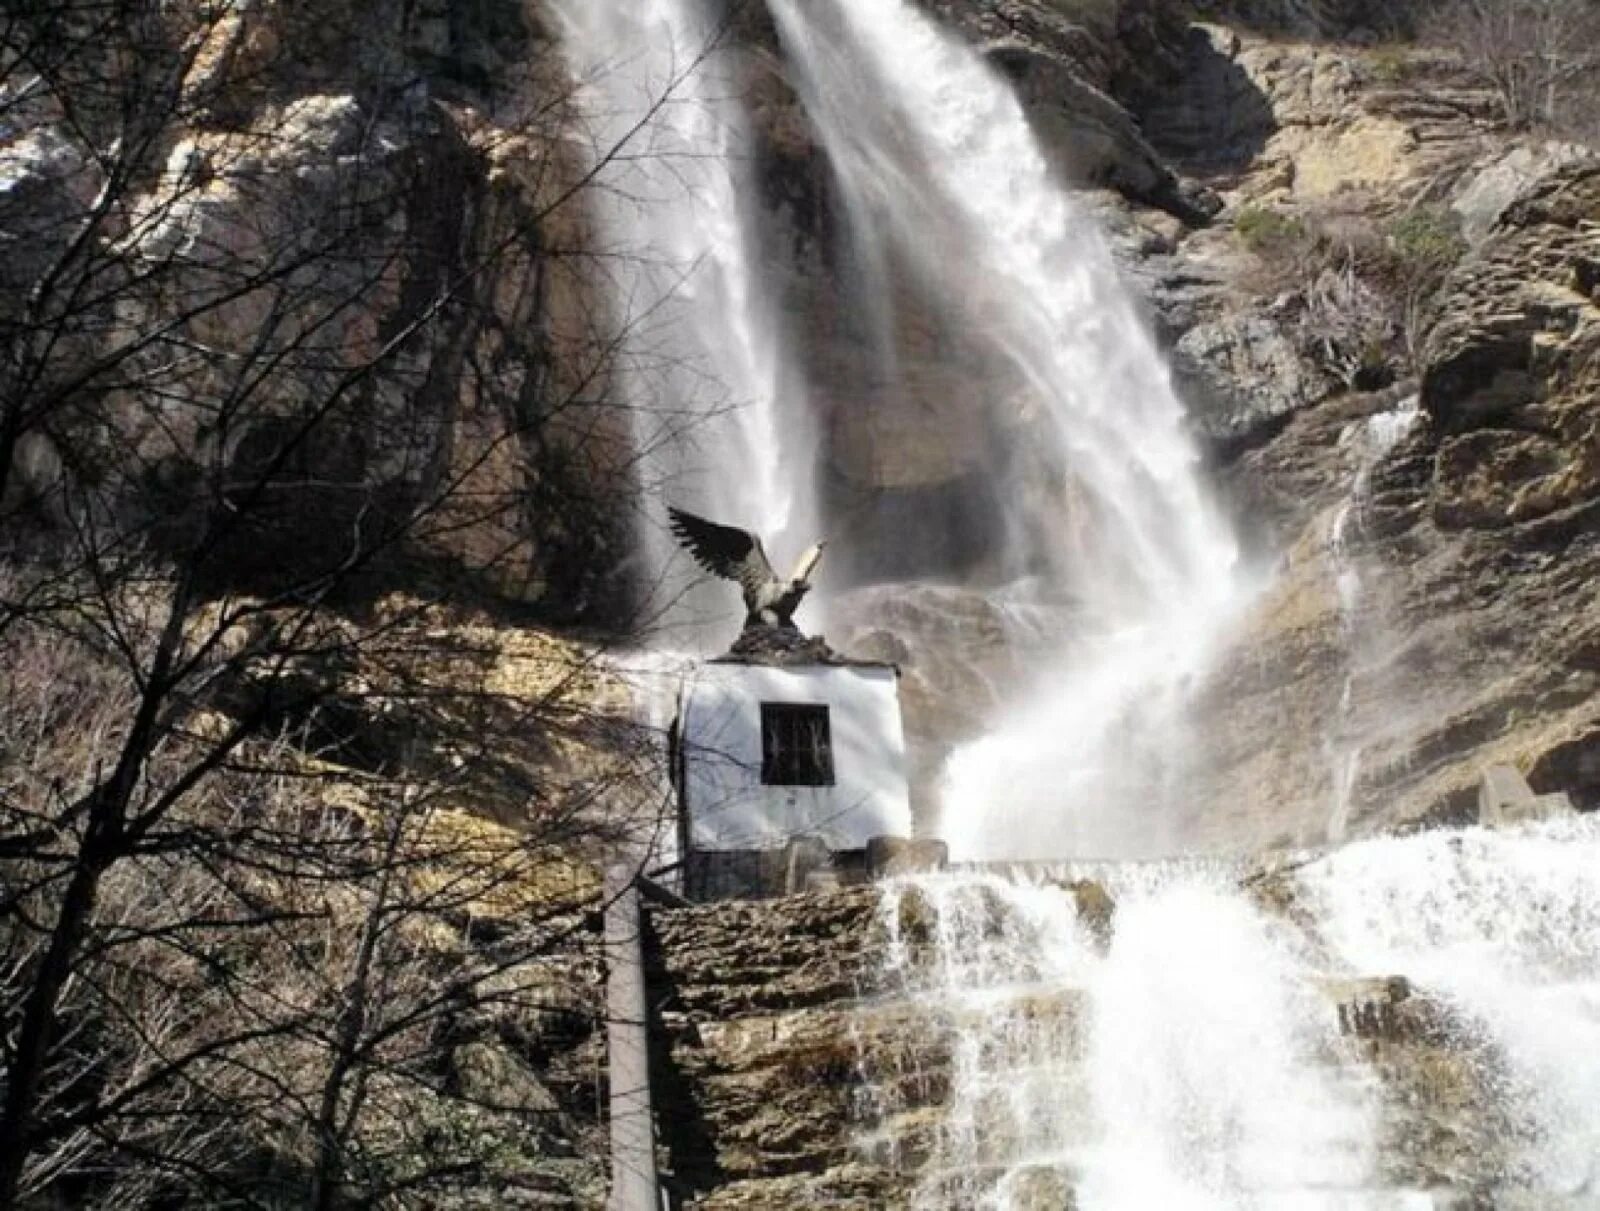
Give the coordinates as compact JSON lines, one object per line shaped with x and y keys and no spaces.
{"x":1477,"y":543}
{"x":808,"y":1053}
{"x":1469,"y":538}
{"x":1475,"y":539}
{"x":356,"y":203}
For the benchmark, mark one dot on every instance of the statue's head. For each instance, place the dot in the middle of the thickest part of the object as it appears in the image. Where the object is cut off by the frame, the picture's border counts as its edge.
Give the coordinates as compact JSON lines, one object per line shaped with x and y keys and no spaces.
{"x":808,"y":564}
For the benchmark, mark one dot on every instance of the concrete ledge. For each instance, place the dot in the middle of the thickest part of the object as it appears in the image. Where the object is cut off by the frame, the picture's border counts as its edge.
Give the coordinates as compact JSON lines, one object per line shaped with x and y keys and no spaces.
{"x":891,"y":856}
{"x":1505,"y":799}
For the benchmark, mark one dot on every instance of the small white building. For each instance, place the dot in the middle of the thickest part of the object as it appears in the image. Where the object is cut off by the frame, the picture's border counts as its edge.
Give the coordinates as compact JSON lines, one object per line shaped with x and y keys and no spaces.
{"x":778,"y":747}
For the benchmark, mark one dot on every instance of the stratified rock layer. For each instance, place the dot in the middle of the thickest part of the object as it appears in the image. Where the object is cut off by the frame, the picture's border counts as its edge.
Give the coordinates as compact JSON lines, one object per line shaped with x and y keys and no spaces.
{"x":810,"y":1052}
{"x":1479,"y":552}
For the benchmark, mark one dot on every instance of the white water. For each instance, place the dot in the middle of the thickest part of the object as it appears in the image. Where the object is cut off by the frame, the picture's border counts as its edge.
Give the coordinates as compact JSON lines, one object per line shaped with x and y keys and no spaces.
{"x":1506,"y":928}
{"x":1178,"y":1070}
{"x":1369,"y":441}
{"x":936,"y":157}
{"x":717,"y":411}
{"x":1197,"y":1063}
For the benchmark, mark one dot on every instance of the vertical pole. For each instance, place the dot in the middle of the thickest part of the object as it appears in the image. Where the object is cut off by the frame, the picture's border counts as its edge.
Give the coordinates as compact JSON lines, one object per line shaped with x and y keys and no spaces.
{"x":633,"y":1138}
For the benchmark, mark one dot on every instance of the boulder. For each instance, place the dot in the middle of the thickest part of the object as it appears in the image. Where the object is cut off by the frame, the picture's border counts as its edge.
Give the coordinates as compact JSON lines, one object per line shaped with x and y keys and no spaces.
{"x":47,"y":181}
{"x":491,"y":1076}
{"x":1484,"y":195}
{"x":1512,"y":362}
{"x":1096,"y":909}
{"x":1242,"y":374}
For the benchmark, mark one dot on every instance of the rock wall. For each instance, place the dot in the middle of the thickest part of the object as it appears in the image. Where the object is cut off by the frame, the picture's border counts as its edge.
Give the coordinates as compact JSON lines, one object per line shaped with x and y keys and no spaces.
{"x":332,"y":216}
{"x":755,"y":1049}
{"x":443,"y":126}
{"x":798,"y":1064}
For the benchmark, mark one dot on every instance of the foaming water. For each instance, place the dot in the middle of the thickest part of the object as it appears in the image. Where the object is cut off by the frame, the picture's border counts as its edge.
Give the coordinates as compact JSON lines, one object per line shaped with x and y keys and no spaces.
{"x":1180,"y":1067}
{"x":1206,"y":1066}
{"x":937,"y":158}
{"x":1506,"y":927}
{"x":1194,"y":1058}
{"x":717,"y":410}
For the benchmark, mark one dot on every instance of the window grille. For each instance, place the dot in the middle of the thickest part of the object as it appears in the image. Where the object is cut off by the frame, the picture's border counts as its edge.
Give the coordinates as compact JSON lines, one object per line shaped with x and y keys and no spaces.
{"x":796,"y":745}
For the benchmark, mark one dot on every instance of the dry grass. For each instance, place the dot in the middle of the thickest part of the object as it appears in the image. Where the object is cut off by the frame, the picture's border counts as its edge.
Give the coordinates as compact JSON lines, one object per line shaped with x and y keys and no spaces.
{"x":276,"y":990}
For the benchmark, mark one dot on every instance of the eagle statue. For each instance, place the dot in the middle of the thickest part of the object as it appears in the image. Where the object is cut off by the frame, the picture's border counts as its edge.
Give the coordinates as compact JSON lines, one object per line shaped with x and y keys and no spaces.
{"x":738,"y":555}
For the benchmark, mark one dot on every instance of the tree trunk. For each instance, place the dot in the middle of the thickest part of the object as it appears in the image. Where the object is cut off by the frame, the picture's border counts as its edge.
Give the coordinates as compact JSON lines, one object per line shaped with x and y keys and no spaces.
{"x":32,"y":1052}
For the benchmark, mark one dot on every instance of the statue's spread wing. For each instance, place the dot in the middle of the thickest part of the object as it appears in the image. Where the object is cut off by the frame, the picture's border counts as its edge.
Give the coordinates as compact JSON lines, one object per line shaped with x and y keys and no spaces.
{"x":724,"y":550}
{"x":808,"y":564}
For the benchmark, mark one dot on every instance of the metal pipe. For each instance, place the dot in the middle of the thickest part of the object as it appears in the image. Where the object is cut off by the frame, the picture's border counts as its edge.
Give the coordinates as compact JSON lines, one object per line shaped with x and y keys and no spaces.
{"x":634,"y":1185}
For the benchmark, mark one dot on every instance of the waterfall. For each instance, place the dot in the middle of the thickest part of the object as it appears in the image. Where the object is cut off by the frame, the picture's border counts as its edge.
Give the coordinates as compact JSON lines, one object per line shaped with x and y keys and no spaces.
{"x":1197,"y":1039}
{"x":1505,"y":929}
{"x":937,"y":161}
{"x":1198,"y":1052}
{"x":1184,"y":1066}
{"x":718,"y":414}
{"x":1369,"y":441}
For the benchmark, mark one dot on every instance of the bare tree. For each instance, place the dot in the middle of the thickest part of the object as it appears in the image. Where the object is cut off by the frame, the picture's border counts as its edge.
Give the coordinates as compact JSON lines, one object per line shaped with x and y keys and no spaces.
{"x":1540,"y":57}
{"x":266,"y":354}
{"x":292,"y":993}
{"x":1346,"y":323}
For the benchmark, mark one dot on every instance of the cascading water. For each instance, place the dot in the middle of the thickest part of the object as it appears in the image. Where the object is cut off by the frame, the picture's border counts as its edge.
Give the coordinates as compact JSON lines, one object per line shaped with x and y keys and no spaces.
{"x":717,"y":411}
{"x":1505,"y":930}
{"x":1204,"y":1056}
{"x":936,"y":157}
{"x":1183,"y":1067}
{"x":1370,"y":441}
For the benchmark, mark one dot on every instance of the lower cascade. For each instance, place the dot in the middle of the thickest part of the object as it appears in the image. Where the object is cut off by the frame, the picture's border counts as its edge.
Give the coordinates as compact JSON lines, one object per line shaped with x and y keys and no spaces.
{"x":1404,"y":1023}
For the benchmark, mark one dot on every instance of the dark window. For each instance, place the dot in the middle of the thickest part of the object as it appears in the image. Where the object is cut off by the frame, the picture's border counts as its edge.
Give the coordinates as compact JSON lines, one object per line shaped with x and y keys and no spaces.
{"x":796,"y":745}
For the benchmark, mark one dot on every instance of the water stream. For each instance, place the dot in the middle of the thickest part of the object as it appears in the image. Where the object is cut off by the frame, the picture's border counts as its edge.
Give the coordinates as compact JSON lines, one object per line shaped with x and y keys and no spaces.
{"x":1368,"y":441}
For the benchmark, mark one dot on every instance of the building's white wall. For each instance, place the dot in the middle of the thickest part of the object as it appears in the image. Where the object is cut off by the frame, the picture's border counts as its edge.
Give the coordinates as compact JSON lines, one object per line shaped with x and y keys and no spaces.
{"x":729,"y":808}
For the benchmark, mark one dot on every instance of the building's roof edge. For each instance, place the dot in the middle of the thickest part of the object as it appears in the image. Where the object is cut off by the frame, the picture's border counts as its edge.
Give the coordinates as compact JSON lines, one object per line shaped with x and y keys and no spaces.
{"x":831,"y":661}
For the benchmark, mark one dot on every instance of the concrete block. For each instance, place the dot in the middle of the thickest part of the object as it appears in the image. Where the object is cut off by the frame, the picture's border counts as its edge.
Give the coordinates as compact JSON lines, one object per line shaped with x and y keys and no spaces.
{"x":1505,"y":799}
{"x":891,"y":856}
{"x":804,"y":857}
{"x":822,"y":881}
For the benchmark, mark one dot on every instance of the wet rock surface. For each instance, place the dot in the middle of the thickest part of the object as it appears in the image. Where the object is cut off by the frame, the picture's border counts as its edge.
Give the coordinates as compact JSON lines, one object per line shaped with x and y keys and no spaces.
{"x":1477,"y":549}
{"x":810,"y":1051}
